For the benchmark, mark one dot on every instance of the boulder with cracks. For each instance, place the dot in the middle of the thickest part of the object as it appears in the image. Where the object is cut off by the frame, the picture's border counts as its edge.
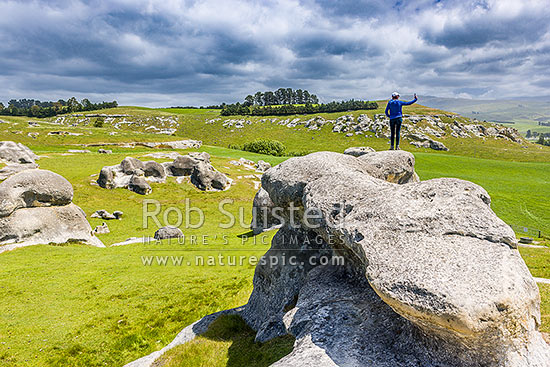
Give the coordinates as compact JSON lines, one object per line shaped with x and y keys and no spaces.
{"x":414,"y":273}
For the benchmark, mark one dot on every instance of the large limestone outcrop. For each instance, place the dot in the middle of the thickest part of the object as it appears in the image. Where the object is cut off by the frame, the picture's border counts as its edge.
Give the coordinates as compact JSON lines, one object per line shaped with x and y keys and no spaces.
{"x":17,"y":158}
{"x":135,"y":175}
{"x":36,"y":208}
{"x":374,"y":268}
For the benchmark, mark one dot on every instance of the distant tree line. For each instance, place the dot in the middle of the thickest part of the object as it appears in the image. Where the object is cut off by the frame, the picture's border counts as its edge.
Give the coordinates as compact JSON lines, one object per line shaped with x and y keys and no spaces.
{"x":36,"y":108}
{"x":535,"y":134}
{"x":290,"y":109}
{"x":279,"y":97}
{"x":544,"y":138}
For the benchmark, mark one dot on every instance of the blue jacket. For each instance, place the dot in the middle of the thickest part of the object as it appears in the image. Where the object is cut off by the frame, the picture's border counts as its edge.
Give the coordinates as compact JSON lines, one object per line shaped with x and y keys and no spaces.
{"x":394,"y":106}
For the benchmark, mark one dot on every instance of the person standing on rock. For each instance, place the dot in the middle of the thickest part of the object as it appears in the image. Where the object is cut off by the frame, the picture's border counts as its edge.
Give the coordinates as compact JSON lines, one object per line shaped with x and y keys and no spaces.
{"x":395,"y":114}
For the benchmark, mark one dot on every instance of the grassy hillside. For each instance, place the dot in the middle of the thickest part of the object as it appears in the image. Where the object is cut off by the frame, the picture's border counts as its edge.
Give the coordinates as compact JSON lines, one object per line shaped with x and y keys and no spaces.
{"x":191,"y":123}
{"x":83,"y":306}
{"x":524,"y":112}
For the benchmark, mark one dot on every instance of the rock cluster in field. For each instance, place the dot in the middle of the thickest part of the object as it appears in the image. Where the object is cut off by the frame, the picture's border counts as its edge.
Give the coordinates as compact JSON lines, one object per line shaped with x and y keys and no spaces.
{"x":372,"y":267}
{"x":260,"y":166}
{"x":420,"y":130}
{"x":104,"y":214}
{"x":36,"y":208}
{"x":164,"y":125}
{"x":17,"y":158}
{"x":135,"y":175}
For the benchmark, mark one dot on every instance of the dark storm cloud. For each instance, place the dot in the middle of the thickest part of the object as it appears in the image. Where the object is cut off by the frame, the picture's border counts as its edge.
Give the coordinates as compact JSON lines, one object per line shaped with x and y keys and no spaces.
{"x":199,"y":52}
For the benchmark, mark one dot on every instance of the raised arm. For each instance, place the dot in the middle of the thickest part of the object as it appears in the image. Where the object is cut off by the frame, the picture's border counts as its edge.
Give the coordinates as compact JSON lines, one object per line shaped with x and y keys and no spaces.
{"x":410,"y":102}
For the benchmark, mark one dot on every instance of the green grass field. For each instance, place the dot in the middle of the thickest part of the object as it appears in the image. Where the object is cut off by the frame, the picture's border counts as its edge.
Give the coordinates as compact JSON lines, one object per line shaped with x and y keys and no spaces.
{"x":84,"y":306}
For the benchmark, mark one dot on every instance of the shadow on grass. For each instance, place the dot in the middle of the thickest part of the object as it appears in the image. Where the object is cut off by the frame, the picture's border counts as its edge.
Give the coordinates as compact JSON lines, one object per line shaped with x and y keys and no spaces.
{"x":228,"y":342}
{"x":246,"y":234}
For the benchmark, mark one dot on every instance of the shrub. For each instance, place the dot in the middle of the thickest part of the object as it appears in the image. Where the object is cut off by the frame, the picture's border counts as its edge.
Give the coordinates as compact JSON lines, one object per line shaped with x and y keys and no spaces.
{"x":235,"y":146}
{"x":297,"y":153}
{"x":99,"y":122}
{"x":265,"y":146}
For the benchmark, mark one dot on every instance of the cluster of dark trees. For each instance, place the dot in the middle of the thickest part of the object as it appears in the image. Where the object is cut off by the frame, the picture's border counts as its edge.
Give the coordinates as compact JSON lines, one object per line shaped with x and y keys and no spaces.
{"x":279,"y":97}
{"x":544,"y":138}
{"x":286,"y":109}
{"x":36,"y":108}
{"x":535,"y":134}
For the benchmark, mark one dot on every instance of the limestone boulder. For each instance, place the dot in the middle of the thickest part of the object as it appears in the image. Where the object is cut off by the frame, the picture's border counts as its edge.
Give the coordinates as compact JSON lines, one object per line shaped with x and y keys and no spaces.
{"x":11,"y":152}
{"x":154,"y":171}
{"x":262,"y":166}
{"x":102,"y":229}
{"x":168,"y":232}
{"x":136,"y":175}
{"x":34,"y":188}
{"x":183,"y":165}
{"x":104,"y":214}
{"x":17,"y":158}
{"x":12,"y":169}
{"x":130,"y":165}
{"x":139,"y":185}
{"x":207,"y":178}
{"x":36,"y":208}
{"x":391,"y":272}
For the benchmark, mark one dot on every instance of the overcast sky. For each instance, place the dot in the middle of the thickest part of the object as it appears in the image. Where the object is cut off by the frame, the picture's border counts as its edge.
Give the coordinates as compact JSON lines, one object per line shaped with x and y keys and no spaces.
{"x":166,"y":53}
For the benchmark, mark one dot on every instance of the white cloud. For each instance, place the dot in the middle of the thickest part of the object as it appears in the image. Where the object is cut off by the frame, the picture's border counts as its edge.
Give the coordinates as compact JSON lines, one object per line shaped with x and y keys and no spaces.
{"x":208,"y":51}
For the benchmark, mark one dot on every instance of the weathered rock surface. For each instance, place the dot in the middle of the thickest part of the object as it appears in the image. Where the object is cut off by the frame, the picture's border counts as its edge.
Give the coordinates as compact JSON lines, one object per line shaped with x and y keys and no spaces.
{"x":415,"y":274}
{"x":155,"y":171}
{"x":34,"y":188}
{"x":130,"y":165}
{"x":206,"y":177}
{"x":132,"y":174}
{"x":36,"y":208}
{"x":11,"y":152}
{"x":392,"y":166}
{"x":168,"y":232}
{"x":12,"y":169}
{"x":264,"y":216}
{"x":139,"y":185}
{"x":182,"y":166}
{"x":102,"y":229}
{"x":262,"y":166}
{"x":358,"y":151}
{"x":17,"y":158}
{"x":423,"y":141}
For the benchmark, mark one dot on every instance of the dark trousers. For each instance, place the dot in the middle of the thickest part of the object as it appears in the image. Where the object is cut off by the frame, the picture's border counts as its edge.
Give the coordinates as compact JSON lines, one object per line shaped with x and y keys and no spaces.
{"x":395,"y":127}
